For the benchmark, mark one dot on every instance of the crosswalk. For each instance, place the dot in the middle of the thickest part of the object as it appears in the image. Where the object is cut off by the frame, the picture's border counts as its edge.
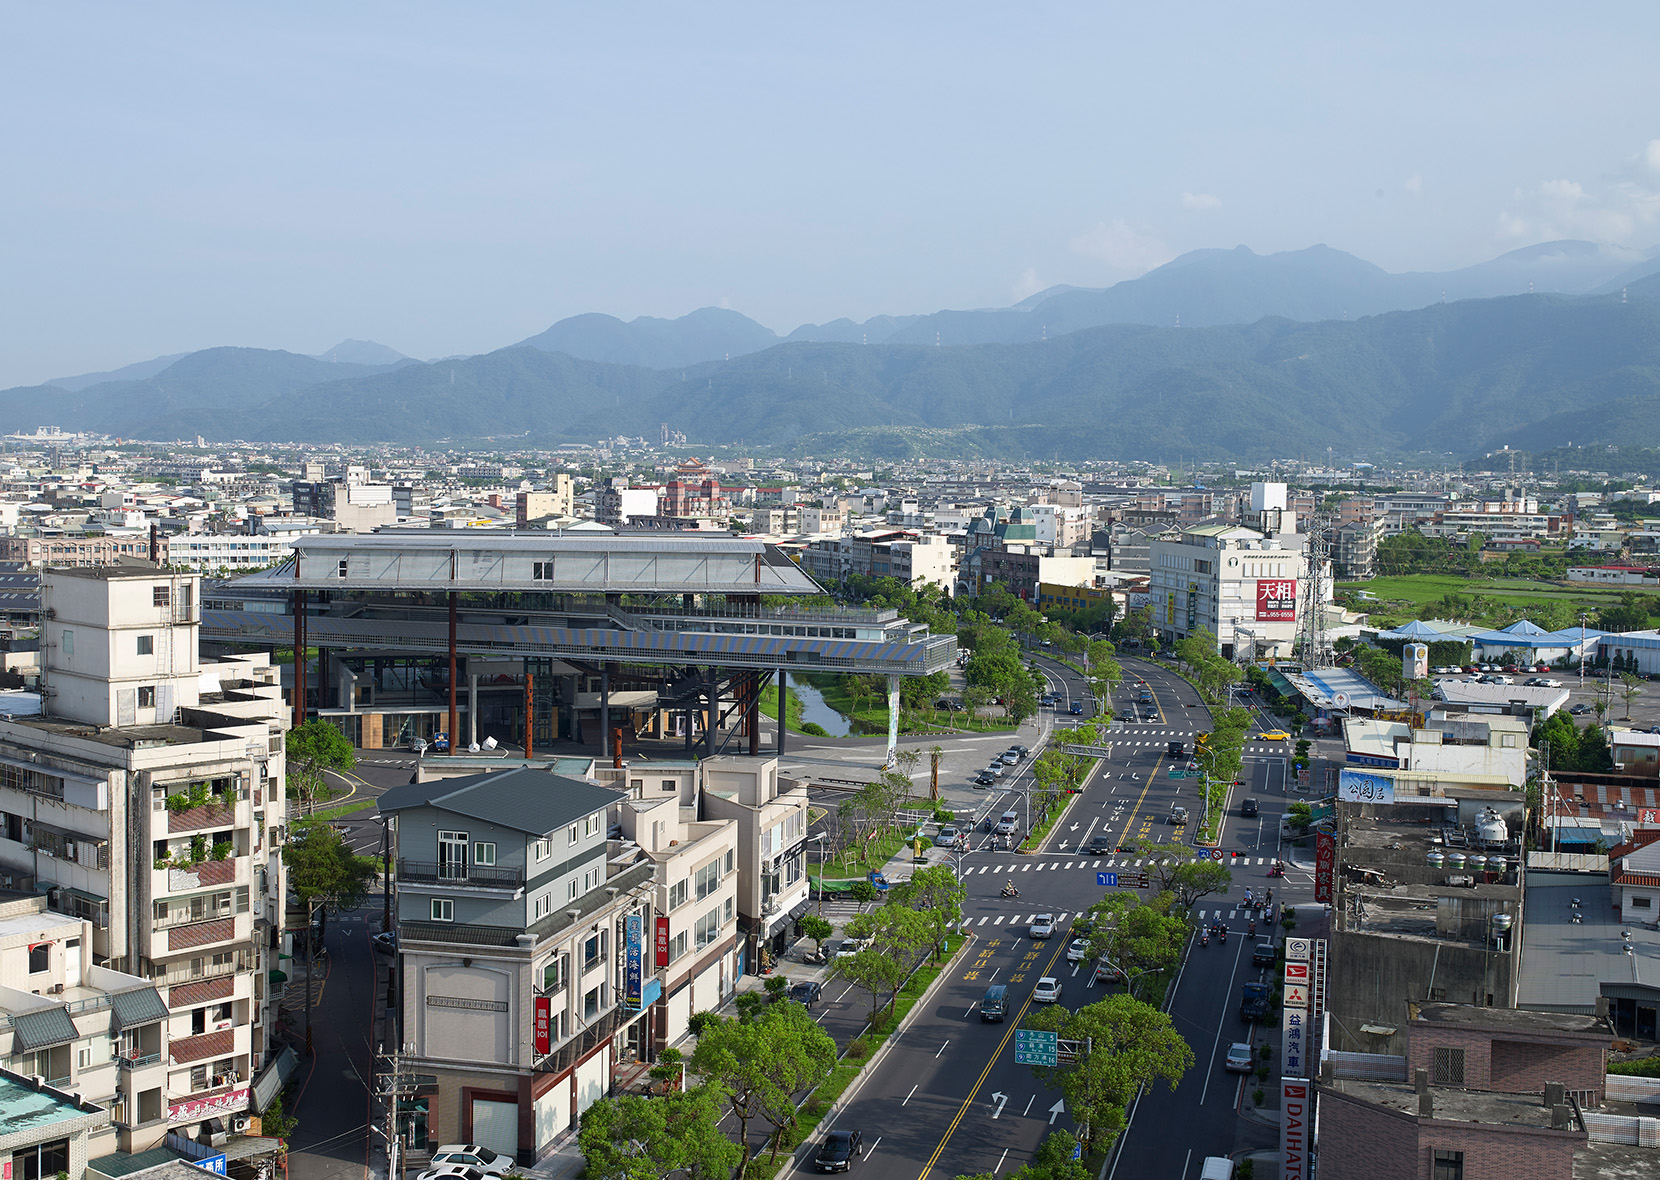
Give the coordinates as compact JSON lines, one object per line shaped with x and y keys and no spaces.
{"x":1016,"y":919}
{"x":1128,"y":862}
{"x":1219,"y":915}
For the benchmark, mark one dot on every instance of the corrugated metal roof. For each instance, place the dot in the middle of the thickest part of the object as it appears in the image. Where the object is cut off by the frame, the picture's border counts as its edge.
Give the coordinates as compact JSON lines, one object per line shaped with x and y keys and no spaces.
{"x":523,"y":799}
{"x":140,"y":1006}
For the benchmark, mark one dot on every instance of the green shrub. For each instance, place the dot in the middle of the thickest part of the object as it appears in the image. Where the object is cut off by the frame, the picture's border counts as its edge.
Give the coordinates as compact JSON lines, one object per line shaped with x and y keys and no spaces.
{"x":698,"y":1021}
{"x":944,"y":815}
{"x":1247,"y":1169}
{"x":1258,"y":1095}
{"x":221,"y":851}
{"x":1646,"y":1067}
{"x":814,"y":729}
{"x":859,"y":1049}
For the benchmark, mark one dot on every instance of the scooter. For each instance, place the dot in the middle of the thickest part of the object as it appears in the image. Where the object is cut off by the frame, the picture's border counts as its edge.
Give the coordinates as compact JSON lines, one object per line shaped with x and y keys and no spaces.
{"x":1253,"y":929}
{"x":1222,"y":935}
{"x":1204,"y":938}
{"x":1276,"y":870}
{"x":1010,"y":891}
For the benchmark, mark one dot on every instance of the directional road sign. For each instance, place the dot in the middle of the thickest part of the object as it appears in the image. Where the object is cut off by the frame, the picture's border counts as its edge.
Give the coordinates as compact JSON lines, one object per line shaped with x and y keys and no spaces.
{"x":1176,"y":772}
{"x":1035,"y":1047}
{"x":1107,"y":880}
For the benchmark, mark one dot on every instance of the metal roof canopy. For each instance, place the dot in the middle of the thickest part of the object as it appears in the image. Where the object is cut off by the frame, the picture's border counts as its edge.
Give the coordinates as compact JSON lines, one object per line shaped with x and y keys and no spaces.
{"x":495,"y":561}
{"x":917,"y":657}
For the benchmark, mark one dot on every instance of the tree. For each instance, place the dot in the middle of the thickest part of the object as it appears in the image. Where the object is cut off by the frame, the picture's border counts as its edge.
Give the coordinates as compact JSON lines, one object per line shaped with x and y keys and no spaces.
{"x":1135,"y":936}
{"x":936,"y":894}
{"x":898,"y":938}
{"x":818,"y":929}
{"x":1631,"y":687}
{"x":1298,"y":817}
{"x":635,"y":1138}
{"x":759,"y":1066}
{"x":314,"y":749}
{"x":1128,"y":1043}
{"x":327,"y":877}
{"x":1052,"y":1161}
{"x":1176,"y":871}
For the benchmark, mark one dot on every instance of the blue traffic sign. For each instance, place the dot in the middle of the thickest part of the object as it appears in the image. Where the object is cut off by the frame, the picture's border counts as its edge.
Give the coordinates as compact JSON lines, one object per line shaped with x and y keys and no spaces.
{"x":1107,"y":880}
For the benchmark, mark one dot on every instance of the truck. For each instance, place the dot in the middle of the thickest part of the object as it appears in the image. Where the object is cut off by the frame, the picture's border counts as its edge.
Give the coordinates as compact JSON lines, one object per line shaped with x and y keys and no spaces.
{"x":1253,"y":1002}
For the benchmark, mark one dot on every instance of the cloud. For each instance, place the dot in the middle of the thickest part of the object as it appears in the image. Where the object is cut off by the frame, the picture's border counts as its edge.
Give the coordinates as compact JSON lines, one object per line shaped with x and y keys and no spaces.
{"x":1126,"y":250}
{"x":1202,"y":201}
{"x":1028,"y":284}
{"x":1623,"y":206}
{"x":1413,"y":184}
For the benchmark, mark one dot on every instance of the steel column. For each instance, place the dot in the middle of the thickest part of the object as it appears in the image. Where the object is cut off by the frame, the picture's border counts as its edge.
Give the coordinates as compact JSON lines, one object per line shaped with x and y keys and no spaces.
{"x":455,"y":728}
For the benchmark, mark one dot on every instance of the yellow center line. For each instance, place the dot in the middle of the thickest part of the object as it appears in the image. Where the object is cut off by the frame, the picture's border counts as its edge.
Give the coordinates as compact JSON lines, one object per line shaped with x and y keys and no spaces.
{"x":1134,"y":811}
{"x":1060,"y":944}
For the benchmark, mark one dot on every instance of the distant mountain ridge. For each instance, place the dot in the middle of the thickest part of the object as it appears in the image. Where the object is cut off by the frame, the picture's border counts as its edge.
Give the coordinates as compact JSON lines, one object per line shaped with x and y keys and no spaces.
{"x":1454,"y":378}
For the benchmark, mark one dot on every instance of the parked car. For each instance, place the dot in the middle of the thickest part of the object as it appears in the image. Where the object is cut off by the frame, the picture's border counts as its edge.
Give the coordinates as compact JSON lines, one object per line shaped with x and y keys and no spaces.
{"x":1105,"y":972}
{"x":837,"y":1152}
{"x":1047,"y":991}
{"x":1021,"y":750}
{"x":1240,"y":1058}
{"x":984,"y":779}
{"x":491,"y":1163}
{"x":1043,"y":926}
{"x":1275,"y":735}
{"x":807,"y":992}
{"x":1008,"y":757}
{"x":452,"y":1172}
{"x":1078,"y":950}
{"x":851,"y":946}
{"x":996,"y":768}
{"x":1580,"y":709}
{"x":1248,"y":807}
{"x":386,"y":942}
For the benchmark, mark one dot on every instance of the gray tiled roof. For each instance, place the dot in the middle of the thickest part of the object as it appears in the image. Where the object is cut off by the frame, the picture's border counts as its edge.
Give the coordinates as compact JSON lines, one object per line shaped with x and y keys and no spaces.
{"x":140,"y":1006}
{"x":43,"y":1029}
{"x":525,"y":799}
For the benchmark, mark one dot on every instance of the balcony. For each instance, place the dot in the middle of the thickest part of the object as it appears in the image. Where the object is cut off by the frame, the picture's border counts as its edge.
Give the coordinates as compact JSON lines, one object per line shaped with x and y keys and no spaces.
{"x":138,"y":1062}
{"x":195,"y":819}
{"x":425,"y":872}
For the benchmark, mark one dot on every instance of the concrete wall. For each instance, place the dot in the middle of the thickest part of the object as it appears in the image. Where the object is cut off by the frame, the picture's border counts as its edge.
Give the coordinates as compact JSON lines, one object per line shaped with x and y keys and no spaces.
{"x":1494,"y":1061}
{"x":1360,"y":1139}
{"x":1374,"y":975}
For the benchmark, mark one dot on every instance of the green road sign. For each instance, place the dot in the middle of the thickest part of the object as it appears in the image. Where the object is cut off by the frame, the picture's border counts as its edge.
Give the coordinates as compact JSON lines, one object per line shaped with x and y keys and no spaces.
{"x":1034,"y":1047}
{"x":1175,"y":773}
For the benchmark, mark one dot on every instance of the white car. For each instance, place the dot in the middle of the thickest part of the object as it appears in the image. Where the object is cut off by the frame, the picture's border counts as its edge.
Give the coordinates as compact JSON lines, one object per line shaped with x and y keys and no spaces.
{"x":1047,"y":991}
{"x":452,"y":1172}
{"x":1240,"y":1058}
{"x":1043,"y":926}
{"x":1078,"y":950}
{"x":491,"y":1163}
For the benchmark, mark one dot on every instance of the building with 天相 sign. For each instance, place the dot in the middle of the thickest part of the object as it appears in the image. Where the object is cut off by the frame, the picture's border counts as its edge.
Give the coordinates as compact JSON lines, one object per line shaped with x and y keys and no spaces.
{"x":1235,"y":584}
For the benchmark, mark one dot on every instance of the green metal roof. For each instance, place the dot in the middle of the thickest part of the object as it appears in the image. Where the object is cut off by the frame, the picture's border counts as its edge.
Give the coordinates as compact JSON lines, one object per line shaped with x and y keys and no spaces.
{"x":43,"y":1029}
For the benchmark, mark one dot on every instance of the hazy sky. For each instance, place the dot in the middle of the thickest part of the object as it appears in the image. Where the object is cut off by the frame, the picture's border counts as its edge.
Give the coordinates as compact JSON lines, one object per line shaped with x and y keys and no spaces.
{"x":450,"y":178}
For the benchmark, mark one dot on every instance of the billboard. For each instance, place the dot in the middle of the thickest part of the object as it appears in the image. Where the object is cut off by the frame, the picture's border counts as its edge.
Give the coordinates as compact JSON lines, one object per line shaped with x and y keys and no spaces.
{"x":1294,"y":1040}
{"x":1276,"y":600}
{"x":633,"y":936}
{"x":1294,"y":1119}
{"x":1325,"y":865}
{"x":662,"y":942}
{"x":1365,"y":786}
{"x":544,"y":1024}
{"x":1415,"y":661}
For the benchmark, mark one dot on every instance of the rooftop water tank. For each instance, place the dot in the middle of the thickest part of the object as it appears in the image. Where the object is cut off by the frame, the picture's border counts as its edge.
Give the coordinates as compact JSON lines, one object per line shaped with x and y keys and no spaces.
{"x":1436,"y":858}
{"x":1455,"y":860}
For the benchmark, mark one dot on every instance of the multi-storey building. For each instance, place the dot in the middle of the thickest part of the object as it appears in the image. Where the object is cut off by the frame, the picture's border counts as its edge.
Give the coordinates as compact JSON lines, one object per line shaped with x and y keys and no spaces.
{"x":1222,"y":580}
{"x":206,"y":552}
{"x":558,"y":500}
{"x":146,"y":755}
{"x":72,"y":550}
{"x":1354,"y":548}
{"x":522,"y":933}
{"x":771,"y":817}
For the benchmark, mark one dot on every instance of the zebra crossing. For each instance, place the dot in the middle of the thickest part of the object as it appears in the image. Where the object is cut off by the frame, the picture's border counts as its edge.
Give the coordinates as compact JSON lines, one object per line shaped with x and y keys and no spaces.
{"x":1016,"y":919}
{"x":1127,"y":862}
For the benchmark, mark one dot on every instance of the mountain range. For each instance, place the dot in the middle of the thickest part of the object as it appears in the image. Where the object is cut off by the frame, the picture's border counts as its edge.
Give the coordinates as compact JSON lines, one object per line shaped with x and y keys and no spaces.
{"x":1261,"y":365}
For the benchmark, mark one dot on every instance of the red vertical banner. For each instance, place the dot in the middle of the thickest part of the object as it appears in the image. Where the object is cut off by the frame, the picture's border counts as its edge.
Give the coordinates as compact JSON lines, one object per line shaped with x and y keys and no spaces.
{"x":1325,"y":865}
{"x":662,"y":942}
{"x":544,"y":1024}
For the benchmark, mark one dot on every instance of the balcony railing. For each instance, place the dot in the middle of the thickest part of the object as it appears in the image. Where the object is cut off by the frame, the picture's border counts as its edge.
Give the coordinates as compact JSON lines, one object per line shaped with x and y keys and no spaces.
{"x":425,"y":872}
{"x":137,"y":1062}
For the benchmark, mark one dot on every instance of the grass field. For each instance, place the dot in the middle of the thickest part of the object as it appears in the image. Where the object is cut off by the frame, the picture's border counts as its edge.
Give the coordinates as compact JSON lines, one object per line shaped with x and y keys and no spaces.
{"x":1427,"y":589}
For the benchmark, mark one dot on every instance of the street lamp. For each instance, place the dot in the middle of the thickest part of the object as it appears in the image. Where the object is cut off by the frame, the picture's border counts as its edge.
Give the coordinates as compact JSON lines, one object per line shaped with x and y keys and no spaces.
{"x":819,"y":840}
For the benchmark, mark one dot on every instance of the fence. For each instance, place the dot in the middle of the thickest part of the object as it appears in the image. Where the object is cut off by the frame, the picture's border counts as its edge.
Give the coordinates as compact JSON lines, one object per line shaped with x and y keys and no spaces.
{"x":1632,"y":1130}
{"x":1375,"y":1067}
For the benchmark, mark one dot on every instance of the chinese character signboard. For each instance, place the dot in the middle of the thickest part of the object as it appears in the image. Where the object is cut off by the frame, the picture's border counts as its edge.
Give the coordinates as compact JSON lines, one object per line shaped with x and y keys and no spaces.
{"x":1298,"y":950}
{"x":1325,"y":865}
{"x":544,"y":1024}
{"x":1276,"y":600}
{"x":662,"y":942}
{"x":1293,"y":1026}
{"x":633,"y":936}
{"x":1362,"y":786}
{"x":1035,"y":1047}
{"x":216,"y":1164}
{"x":1648,"y":816}
{"x":1294,"y":1114}
{"x":214,"y":1106}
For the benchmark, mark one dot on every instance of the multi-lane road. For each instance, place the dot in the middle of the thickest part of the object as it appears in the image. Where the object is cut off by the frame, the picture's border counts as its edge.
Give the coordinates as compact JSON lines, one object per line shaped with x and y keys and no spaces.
{"x":947,"y":1099}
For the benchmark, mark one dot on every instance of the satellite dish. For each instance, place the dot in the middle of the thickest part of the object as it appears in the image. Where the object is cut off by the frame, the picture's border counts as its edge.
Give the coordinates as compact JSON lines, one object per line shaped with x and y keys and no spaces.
{"x":1341,"y":700}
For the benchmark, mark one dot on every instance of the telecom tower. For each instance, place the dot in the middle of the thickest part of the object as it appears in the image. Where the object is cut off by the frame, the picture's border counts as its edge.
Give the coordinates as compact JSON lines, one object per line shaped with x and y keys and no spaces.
{"x":1316,"y":551}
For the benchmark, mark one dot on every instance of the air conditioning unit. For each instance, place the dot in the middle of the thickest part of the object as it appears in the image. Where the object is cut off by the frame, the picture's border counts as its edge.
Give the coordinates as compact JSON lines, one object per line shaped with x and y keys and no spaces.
{"x":239,"y":1123}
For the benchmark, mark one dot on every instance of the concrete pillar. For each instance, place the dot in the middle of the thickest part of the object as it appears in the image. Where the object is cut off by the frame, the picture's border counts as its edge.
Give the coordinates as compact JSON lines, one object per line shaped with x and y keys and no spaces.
{"x":472,"y":709}
{"x":752,"y":711}
{"x":711,"y":697}
{"x":454,"y":730}
{"x":570,"y":715}
{"x":604,"y":706}
{"x":783,"y":692}
{"x":893,"y":720}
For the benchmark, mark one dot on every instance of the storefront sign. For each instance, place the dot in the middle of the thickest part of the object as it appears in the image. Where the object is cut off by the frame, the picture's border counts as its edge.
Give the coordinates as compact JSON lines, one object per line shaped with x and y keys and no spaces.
{"x":1298,"y":950}
{"x":1293,"y":1027}
{"x":1296,"y":972}
{"x":1361,"y":786}
{"x":544,"y":1024}
{"x":1276,"y":599}
{"x":633,"y":935}
{"x":662,"y":942}
{"x":213,"y":1163}
{"x":1296,"y":995}
{"x":210,"y":1107}
{"x":1325,"y":865}
{"x":1294,"y":1114}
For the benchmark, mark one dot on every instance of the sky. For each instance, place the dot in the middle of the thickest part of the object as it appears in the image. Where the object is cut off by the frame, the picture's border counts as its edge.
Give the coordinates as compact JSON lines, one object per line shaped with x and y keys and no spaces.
{"x":452,"y":178}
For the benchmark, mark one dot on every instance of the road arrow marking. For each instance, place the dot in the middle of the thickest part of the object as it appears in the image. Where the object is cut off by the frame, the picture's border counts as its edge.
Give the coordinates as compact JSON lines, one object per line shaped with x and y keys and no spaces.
{"x":1056,"y":1111}
{"x":1000,"y":1099}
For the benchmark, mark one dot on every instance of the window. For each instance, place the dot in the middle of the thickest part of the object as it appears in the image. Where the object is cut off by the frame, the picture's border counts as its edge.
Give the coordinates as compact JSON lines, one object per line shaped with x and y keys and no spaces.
{"x":544,"y":905}
{"x":198,"y":1077}
{"x":669,"y":784}
{"x":161,"y":595}
{"x":146,"y":696}
{"x":443,"y":909}
{"x":541,"y":571}
{"x":708,"y":879}
{"x":553,"y":973}
{"x":678,"y":946}
{"x":68,"y":643}
{"x":590,"y":825}
{"x":1449,"y":1165}
{"x":572,"y":890}
{"x":590,"y":951}
{"x":728,"y":916}
{"x":1447,"y":1066}
{"x":83,"y":1057}
{"x":340,"y":570}
{"x":729,"y":855}
{"x":40,"y":957}
{"x":591,"y":1004}
{"x":146,"y":645}
{"x":484,"y":853}
{"x":544,"y":848}
{"x":708,"y":928}
{"x":677,"y":893}
{"x":572,"y":839}
{"x":1641,"y":903}
{"x":636,"y":784}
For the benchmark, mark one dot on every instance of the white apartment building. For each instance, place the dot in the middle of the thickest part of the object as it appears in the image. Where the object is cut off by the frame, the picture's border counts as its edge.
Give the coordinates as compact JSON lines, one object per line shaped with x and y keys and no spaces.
{"x":1223,"y":580}
{"x":210,"y":552}
{"x":146,"y":755}
{"x":1060,"y":525}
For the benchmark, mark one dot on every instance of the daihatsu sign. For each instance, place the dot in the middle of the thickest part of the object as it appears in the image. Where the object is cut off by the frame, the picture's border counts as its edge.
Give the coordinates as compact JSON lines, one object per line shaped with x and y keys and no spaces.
{"x":1294,"y":1124}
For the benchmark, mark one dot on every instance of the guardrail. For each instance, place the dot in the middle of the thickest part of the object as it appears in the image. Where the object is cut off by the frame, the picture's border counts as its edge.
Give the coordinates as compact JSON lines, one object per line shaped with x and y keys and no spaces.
{"x":426,"y":872}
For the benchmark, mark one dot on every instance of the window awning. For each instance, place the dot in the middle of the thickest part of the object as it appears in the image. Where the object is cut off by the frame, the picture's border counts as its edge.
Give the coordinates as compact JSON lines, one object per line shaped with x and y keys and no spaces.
{"x":45,"y":1028}
{"x":140,"y":1006}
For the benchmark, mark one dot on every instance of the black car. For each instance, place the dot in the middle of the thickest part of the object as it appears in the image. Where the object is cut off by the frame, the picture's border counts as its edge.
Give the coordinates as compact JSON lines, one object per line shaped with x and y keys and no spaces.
{"x":1263,"y":955}
{"x":1248,"y":807}
{"x":1099,"y":846}
{"x":386,"y":942}
{"x":985,"y":779}
{"x":837,"y":1151}
{"x":806,"y":992}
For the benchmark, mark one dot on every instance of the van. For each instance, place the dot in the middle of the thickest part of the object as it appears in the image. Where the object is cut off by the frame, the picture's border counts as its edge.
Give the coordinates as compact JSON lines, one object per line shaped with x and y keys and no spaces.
{"x":1216,"y":1167}
{"x":1007,"y":823}
{"x":995,"y":1005}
